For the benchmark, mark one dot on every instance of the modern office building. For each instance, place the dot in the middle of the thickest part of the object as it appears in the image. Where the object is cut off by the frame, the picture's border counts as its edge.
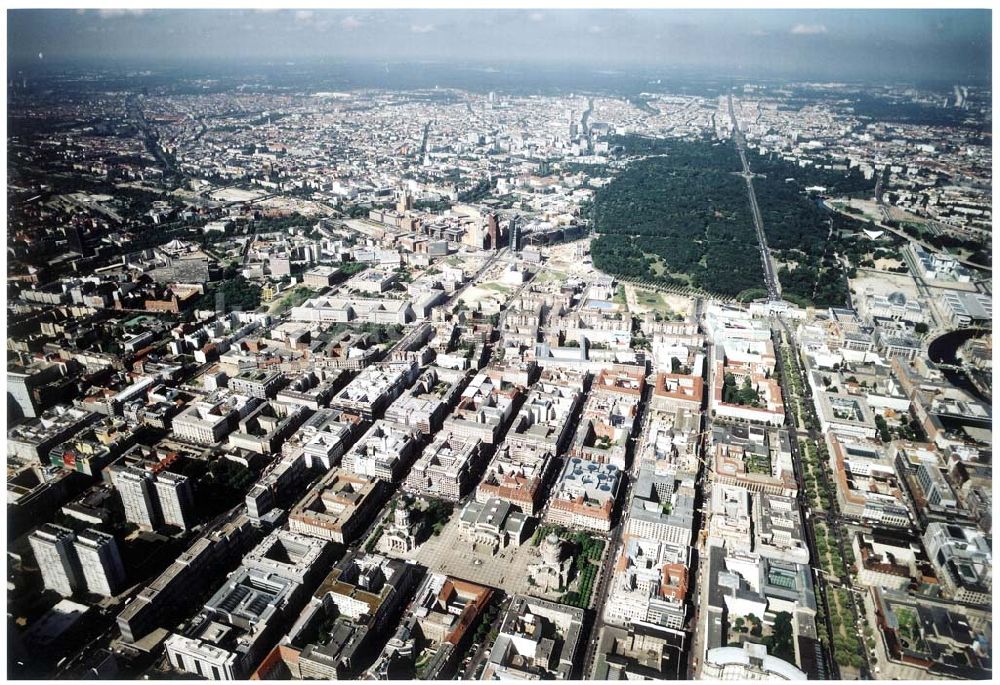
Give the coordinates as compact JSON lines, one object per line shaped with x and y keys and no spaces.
{"x":447,"y":468}
{"x":538,"y":640}
{"x":31,"y":441}
{"x":749,"y":662}
{"x":257,"y":383}
{"x":584,"y":495}
{"x":385,"y":451}
{"x":243,"y":619}
{"x":662,"y":508}
{"x":375,"y":388}
{"x":56,"y":557}
{"x":516,"y":476}
{"x":205,"y":423}
{"x":358,"y":603}
{"x":175,"y":497}
{"x":170,"y":592}
{"x":100,"y":563}
{"x":433,"y":629}
{"x":967,"y":309}
{"x":338,"y":507}
{"x":962,"y":558}
{"x":649,"y":585}
{"x":136,"y":488}
{"x":152,"y":498}
{"x":637,"y":653}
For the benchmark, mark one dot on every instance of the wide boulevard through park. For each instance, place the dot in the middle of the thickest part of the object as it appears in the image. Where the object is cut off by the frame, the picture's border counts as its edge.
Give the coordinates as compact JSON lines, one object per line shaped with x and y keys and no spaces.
{"x":770,"y":276}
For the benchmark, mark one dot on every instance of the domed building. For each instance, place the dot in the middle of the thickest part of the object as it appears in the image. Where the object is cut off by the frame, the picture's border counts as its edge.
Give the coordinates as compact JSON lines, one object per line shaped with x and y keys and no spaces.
{"x":401,"y":535}
{"x":551,"y":572}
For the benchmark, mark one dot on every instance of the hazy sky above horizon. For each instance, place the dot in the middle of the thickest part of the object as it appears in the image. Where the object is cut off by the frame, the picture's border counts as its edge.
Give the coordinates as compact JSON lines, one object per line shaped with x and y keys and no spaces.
{"x":848,"y":44}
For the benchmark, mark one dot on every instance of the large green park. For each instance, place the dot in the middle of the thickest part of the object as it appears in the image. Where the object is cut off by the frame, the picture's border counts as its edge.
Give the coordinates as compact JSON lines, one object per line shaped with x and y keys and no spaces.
{"x":678,"y":215}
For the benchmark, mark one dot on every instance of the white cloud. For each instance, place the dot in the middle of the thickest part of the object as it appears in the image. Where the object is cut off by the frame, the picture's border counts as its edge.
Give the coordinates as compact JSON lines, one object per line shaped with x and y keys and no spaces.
{"x":536,"y":16}
{"x":595,"y":29}
{"x":304,"y":15}
{"x":422,"y":28}
{"x":350,"y":23}
{"x":109,"y":13}
{"x":807,"y":29}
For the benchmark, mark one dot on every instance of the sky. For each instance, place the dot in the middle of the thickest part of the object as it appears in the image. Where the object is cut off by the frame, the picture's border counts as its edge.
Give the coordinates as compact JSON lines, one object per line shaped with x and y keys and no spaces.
{"x":846,"y":44}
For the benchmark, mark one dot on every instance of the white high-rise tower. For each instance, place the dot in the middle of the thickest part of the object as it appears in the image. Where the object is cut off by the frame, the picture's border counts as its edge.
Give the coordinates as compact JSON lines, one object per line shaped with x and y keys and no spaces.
{"x":100,"y":562}
{"x":176,"y":499}
{"x":135,"y":486}
{"x":52,"y":546}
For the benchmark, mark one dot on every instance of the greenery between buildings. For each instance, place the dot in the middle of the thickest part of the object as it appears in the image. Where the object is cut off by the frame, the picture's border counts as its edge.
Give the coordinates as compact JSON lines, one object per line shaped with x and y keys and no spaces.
{"x":436,"y":514}
{"x":779,"y":643}
{"x":836,"y":560}
{"x":485,"y":630}
{"x":238,"y":294}
{"x":587,"y":550}
{"x":352,"y":268}
{"x":280,"y":223}
{"x":742,"y":395}
{"x":373,"y":540}
{"x":847,"y":647}
{"x":293,"y":299}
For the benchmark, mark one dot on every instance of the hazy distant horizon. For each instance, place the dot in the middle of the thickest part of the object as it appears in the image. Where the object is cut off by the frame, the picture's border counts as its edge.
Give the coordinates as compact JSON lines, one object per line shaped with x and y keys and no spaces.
{"x":848,"y":45}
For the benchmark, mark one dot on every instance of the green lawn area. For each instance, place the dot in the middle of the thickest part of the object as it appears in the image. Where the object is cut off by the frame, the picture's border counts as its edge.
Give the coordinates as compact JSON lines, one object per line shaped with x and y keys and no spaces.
{"x":759,"y":464}
{"x":620,"y":298}
{"x":812,"y":460}
{"x":292,"y":299}
{"x":826,"y":548}
{"x":847,"y":646}
{"x":652,"y":300}
{"x":909,"y":625}
{"x":351,"y":268}
{"x":790,"y":367}
{"x":373,"y":540}
{"x":660,"y":269}
{"x":496,"y":287}
{"x":435,"y":513}
{"x":751,"y":294}
{"x":550,"y":277}
{"x":846,"y":642}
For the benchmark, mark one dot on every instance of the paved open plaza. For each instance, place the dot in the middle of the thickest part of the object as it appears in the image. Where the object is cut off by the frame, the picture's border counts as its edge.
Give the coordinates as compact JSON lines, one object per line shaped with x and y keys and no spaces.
{"x":451,"y":554}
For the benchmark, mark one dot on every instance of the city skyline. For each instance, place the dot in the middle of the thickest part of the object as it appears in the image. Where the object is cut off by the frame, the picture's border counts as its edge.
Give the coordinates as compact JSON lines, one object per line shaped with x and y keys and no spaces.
{"x":889,"y":44}
{"x":482,"y":345}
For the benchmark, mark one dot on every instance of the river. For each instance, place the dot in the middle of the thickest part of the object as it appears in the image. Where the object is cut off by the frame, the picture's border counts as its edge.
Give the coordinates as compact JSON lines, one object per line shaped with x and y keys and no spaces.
{"x":943,"y":350}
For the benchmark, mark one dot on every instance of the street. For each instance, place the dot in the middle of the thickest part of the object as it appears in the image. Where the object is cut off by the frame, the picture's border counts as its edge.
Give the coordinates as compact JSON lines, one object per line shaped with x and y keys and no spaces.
{"x":615,"y":539}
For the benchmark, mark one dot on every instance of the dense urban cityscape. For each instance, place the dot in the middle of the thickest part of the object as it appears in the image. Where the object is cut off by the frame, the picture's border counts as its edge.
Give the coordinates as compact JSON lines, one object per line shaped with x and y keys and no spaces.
{"x":690,"y":380}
